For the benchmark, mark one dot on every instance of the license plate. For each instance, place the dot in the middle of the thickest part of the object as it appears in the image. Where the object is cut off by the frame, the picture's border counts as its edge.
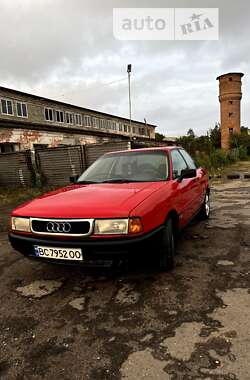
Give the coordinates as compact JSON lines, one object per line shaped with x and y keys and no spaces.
{"x":58,"y":253}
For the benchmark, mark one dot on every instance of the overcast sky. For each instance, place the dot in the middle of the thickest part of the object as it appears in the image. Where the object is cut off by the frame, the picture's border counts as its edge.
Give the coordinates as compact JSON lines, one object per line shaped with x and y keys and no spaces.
{"x":65,"y":50}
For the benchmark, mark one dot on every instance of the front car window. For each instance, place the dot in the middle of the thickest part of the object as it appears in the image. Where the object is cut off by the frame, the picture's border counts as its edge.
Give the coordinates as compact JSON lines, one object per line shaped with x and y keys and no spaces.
{"x":131,"y":166}
{"x":188,"y":159}
{"x":178,"y":163}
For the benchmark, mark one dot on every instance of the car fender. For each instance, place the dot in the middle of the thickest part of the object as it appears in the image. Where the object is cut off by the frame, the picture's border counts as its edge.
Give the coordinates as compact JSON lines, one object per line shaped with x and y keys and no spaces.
{"x":154,"y":209}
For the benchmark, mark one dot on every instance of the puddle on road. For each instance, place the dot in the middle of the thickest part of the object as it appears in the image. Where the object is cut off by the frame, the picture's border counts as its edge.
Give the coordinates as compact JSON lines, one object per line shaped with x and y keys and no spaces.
{"x":39,"y":288}
{"x":234,"y":318}
{"x":233,"y":333}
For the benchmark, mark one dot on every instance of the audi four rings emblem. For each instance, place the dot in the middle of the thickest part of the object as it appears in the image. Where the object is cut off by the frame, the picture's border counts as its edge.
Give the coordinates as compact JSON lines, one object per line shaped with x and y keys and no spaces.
{"x":59,"y":227}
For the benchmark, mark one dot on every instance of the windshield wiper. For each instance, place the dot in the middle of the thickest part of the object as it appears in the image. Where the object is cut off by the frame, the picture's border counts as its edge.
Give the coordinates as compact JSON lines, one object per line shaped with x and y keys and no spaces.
{"x":86,"y":182}
{"x":120,"y":180}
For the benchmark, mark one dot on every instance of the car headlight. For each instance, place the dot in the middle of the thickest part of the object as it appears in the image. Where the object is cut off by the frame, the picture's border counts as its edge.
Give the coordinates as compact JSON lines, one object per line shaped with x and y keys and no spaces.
{"x":117,"y":226}
{"x":111,"y":226}
{"x":20,"y":224}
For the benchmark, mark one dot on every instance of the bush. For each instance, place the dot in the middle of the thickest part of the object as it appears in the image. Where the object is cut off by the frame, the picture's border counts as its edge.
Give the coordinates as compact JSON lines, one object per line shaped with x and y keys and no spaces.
{"x":241,"y":142}
{"x":243,"y":153}
{"x":216,"y":159}
{"x":206,"y":149}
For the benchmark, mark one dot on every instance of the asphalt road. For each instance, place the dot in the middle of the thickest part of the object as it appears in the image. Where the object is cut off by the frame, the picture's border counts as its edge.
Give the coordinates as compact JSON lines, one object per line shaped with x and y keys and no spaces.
{"x":69,"y":323}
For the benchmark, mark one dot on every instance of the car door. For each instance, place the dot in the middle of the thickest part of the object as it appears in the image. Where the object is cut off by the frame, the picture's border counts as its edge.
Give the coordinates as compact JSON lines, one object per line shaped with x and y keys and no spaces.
{"x":197,"y":188}
{"x":183,"y":190}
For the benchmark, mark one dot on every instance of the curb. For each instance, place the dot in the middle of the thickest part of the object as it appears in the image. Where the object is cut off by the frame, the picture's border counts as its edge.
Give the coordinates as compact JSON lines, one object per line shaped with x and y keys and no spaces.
{"x":231,"y":176}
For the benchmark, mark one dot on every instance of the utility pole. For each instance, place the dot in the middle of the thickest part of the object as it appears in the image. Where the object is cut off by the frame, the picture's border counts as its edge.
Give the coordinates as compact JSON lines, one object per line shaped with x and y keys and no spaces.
{"x":129,"y":67}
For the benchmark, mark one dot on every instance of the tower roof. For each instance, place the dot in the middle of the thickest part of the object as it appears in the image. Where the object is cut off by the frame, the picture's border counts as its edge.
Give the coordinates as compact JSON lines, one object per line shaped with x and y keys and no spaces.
{"x":235,"y":73}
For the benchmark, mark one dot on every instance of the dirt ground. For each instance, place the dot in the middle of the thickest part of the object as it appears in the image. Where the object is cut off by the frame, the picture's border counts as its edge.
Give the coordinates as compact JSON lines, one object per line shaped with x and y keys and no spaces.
{"x":69,"y":323}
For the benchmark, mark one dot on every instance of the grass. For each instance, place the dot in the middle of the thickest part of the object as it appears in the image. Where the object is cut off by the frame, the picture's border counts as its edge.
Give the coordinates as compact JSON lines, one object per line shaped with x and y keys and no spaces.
{"x":11,"y":196}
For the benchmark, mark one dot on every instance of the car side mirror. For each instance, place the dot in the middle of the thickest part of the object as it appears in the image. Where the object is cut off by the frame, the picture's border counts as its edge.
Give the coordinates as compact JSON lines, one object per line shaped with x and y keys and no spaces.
{"x":74,"y":178}
{"x":187,"y":173}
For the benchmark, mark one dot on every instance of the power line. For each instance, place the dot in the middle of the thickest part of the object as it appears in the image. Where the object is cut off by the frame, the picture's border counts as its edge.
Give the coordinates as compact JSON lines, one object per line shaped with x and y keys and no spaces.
{"x":96,"y":87}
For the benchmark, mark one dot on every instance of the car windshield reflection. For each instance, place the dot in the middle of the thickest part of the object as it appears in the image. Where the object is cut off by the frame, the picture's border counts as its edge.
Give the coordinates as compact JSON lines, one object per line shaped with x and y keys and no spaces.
{"x":127,"y":167}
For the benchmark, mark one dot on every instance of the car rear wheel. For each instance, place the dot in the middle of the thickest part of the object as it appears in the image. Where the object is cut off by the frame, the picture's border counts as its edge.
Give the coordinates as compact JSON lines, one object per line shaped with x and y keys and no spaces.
{"x":167,"y":247}
{"x":205,"y":209}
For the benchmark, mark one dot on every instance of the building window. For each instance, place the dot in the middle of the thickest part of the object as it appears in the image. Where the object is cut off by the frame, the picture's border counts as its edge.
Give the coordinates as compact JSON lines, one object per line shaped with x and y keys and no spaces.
{"x":141,"y":131}
{"x":7,"y":107}
{"x":120,"y":127}
{"x":134,"y":130}
{"x":9,"y":147}
{"x":129,"y":129}
{"x":78,"y":119}
{"x":21,"y":109}
{"x":230,"y":79}
{"x":59,"y":116}
{"x":114,"y":125}
{"x":230,"y":114}
{"x":125,"y":128}
{"x":96,"y":122}
{"x":230,"y":102}
{"x":102,"y":123}
{"x":48,"y":112}
{"x":69,"y":118}
{"x":40,"y":146}
{"x":87,"y":121}
{"x":231,"y":131}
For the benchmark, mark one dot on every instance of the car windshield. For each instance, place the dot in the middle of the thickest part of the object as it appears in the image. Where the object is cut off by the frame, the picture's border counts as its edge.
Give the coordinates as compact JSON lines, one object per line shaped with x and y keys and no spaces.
{"x":131,"y":166}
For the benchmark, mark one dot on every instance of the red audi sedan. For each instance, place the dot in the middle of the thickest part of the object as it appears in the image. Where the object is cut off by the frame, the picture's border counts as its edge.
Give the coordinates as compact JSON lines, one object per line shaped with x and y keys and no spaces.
{"x":126,"y":203}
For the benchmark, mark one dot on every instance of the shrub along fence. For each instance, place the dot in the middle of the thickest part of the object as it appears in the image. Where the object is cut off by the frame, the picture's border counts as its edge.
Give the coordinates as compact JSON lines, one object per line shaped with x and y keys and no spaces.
{"x":51,"y":166}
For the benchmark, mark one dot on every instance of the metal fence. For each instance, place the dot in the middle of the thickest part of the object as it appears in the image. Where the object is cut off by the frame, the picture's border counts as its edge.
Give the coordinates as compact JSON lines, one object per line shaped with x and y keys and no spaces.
{"x":52,"y":166}
{"x":94,"y":151}
{"x":56,"y":165}
{"x":16,"y":169}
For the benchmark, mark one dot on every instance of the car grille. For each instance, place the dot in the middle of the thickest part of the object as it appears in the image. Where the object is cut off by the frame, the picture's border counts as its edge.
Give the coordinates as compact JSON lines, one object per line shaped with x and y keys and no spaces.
{"x":69,"y":227}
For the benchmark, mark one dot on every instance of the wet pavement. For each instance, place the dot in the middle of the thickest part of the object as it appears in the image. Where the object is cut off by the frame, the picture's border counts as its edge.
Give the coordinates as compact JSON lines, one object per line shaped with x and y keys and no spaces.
{"x":60,"y":322}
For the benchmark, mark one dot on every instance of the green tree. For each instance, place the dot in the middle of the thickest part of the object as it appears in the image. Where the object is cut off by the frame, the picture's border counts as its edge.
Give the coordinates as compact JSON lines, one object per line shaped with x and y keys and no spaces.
{"x":190,"y":133}
{"x":215,"y":136}
{"x":159,"y":136}
{"x":244,"y":130}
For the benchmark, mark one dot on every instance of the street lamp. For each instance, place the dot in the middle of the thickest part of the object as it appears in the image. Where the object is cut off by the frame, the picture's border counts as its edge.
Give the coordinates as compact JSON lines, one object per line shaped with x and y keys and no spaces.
{"x":129,"y":68}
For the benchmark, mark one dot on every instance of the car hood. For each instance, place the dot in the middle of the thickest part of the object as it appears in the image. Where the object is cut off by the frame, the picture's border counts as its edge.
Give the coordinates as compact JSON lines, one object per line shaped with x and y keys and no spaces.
{"x":89,"y":201}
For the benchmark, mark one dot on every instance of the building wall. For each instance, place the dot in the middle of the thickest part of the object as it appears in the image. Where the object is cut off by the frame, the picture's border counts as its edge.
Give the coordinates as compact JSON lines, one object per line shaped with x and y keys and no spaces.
{"x":230,"y":99}
{"x":91,"y":122}
{"x":22,"y":139}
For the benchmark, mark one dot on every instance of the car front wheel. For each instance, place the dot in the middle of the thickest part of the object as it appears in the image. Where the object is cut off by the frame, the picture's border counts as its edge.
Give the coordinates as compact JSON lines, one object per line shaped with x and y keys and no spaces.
{"x":167,"y":247}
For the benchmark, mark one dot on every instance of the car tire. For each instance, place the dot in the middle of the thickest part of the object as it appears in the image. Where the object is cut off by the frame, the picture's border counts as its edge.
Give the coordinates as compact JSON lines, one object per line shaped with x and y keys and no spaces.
{"x":167,"y":247}
{"x":205,"y":209}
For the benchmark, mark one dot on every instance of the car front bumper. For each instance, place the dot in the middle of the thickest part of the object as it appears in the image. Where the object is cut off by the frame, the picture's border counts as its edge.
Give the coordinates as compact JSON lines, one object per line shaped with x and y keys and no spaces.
{"x":93,"y":250}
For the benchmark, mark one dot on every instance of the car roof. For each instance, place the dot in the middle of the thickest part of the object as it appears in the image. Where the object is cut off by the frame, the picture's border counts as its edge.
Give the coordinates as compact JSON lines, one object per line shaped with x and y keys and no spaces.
{"x":158,"y":148}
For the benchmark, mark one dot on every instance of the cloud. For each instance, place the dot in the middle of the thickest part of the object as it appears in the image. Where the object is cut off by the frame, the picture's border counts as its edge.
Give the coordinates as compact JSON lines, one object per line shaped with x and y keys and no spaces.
{"x":66,"y":50}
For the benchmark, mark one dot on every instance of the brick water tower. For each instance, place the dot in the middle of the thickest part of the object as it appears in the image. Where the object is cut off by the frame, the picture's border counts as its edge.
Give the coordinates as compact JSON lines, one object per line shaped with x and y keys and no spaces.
{"x":229,"y":97}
